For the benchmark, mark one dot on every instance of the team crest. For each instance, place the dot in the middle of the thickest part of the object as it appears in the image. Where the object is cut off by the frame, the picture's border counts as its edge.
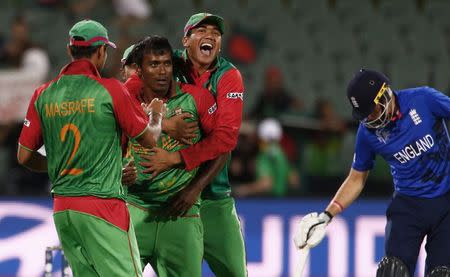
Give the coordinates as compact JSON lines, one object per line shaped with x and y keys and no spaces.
{"x":415,"y":117}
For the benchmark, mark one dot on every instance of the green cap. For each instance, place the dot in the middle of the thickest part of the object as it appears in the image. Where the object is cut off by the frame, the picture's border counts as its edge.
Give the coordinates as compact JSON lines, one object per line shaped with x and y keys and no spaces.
{"x":92,"y":32}
{"x":198,"y":18}
{"x":126,"y":54}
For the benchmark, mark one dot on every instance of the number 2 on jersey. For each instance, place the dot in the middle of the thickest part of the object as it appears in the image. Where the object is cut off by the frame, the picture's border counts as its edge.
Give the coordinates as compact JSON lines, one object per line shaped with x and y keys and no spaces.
{"x":76,"y":133}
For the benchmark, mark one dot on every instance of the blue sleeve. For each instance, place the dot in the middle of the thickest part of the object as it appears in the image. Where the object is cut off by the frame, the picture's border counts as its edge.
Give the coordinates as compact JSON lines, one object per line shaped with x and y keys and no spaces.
{"x":364,"y":156}
{"x":438,"y":103}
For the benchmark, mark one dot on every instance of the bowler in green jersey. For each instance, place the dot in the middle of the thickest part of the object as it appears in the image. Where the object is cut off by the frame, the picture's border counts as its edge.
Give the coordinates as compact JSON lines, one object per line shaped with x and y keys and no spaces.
{"x":173,"y":245}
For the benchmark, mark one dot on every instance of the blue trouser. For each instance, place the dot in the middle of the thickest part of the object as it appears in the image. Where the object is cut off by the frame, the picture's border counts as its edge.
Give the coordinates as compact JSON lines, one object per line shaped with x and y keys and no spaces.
{"x":409,"y":220}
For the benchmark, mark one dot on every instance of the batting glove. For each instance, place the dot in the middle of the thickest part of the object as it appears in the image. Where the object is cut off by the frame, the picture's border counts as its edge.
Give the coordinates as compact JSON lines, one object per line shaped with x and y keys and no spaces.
{"x":312,"y":229}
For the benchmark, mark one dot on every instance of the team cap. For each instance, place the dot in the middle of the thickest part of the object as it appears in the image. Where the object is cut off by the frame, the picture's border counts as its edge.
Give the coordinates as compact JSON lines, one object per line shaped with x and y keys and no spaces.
{"x":92,"y":32}
{"x":198,"y":18}
{"x":126,"y":54}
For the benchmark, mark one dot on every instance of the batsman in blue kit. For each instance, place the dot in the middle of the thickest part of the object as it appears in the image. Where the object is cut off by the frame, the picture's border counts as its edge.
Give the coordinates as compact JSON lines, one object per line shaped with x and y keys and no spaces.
{"x":408,"y":129}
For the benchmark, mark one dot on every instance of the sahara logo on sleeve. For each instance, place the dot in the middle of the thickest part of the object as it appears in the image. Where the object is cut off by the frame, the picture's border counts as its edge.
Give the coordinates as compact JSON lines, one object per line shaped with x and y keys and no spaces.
{"x":26,"y":122}
{"x":235,"y":95}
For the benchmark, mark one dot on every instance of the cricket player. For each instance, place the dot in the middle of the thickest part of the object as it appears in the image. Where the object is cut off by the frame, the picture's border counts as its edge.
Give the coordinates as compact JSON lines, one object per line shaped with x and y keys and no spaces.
{"x":178,"y":127}
{"x":128,"y":64}
{"x":201,"y":65}
{"x":172,"y":245}
{"x":80,"y":116}
{"x":408,"y":129}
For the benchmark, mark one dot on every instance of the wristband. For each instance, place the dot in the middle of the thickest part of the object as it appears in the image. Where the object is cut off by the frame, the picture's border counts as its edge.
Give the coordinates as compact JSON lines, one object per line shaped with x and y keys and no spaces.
{"x":328,"y":214}
{"x":337,"y":204}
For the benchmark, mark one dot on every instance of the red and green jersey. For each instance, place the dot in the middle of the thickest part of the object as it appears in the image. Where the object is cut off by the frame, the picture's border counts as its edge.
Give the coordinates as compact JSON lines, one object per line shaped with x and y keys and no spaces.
{"x":224,"y":81}
{"x":152,"y":193}
{"x":80,"y":116}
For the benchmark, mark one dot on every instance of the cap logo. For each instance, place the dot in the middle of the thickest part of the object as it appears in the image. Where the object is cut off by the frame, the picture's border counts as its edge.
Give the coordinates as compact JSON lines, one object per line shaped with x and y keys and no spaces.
{"x":380,"y":93}
{"x":354,"y":103}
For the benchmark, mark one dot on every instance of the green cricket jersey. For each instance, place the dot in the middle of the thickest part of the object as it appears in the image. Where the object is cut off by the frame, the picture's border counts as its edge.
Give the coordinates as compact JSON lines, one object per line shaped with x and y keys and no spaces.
{"x":152,"y":193}
{"x":79,"y":117}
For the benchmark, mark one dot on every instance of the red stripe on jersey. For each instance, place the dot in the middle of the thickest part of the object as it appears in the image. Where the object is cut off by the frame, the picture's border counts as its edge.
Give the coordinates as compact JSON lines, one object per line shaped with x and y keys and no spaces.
{"x":113,"y":210}
{"x":206,"y":106}
{"x":127,"y":110}
{"x":31,"y":134}
{"x":228,"y":120}
{"x":134,"y":85}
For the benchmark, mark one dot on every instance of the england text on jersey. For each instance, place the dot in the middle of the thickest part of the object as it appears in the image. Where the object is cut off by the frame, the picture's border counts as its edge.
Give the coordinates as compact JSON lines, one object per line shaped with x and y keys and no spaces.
{"x":66,"y":108}
{"x":414,"y":150}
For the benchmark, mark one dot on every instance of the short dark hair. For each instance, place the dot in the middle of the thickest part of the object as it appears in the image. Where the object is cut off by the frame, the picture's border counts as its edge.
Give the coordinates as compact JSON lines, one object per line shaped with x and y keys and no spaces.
{"x":151,"y":45}
{"x":79,"y":52}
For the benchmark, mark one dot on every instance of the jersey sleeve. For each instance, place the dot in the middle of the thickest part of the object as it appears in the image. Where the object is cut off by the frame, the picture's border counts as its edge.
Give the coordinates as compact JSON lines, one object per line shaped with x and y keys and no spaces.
{"x":134,"y":85}
{"x":31,"y":134}
{"x":364,"y":156}
{"x":438,"y":103}
{"x":206,"y":106}
{"x":223,"y":138}
{"x":129,"y":114}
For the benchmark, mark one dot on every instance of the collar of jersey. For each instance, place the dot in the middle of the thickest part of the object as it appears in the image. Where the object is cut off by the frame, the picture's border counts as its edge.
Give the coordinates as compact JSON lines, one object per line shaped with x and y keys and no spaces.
{"x":81,"y":66}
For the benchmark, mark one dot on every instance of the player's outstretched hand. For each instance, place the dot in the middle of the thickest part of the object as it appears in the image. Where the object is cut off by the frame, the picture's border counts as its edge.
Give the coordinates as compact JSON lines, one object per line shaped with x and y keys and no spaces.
{"x":160,"y":160}
{"x":129,"y":174}
{"x":312,"y":229}
{"x":178,"y":128}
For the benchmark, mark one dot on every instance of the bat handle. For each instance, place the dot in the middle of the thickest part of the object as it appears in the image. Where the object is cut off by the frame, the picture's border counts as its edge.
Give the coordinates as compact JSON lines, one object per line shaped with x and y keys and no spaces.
{"x":302,"y":258}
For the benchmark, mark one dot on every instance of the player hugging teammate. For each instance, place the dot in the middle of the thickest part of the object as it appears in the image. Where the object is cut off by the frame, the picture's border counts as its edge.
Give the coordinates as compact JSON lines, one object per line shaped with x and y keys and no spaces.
{"x":188,"y":195}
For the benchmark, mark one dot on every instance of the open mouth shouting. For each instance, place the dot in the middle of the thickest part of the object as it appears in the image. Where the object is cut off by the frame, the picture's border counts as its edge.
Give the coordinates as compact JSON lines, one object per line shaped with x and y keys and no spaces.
{"x":206,"y":49}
